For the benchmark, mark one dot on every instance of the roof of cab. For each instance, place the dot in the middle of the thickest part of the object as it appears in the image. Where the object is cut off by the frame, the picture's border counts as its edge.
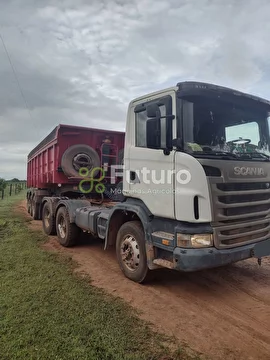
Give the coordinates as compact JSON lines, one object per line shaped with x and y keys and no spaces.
{"x":149,"y":95}
{"x":202,"y":85}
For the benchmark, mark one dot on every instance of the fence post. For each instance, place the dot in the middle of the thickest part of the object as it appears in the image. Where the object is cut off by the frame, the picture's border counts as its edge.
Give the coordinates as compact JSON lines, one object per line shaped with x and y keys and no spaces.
{"x":10,"y":189}
{"x":2,"y":195}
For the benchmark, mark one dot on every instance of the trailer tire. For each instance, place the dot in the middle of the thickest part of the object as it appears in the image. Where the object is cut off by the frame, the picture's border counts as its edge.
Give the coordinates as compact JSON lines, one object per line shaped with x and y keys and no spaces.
{"x":31,"y":207}
{"x":35,"y":210}
{"x":78,"y":156}
{"x":67,"y":232}
{"x":28,"y":206}
{"x":131,"y":241}
{"x":48,"y":220}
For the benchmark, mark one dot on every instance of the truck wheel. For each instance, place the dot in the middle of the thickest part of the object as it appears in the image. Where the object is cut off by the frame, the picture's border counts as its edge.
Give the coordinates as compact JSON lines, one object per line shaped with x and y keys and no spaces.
{"x":35,"y":210}
{"x":78,"y":156}
{"x":31,"y":207}
{"x":67,"y":232}
{"x":131,"y":253}
{"x":28,"y":206}
{"x":48,"y":220}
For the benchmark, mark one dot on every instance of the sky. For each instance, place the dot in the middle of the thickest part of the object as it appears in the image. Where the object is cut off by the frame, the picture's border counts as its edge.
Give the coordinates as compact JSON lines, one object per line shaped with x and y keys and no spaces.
{"x":81,"y":62}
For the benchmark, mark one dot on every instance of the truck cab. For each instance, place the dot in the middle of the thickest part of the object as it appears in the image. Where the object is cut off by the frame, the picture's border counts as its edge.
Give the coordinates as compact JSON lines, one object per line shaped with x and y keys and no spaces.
{"x":197,"y":157}
{"x":196,"y":183}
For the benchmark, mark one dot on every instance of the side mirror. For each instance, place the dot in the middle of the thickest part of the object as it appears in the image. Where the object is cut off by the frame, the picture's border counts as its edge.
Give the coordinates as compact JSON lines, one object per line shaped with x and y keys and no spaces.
{"x":153,"y":130}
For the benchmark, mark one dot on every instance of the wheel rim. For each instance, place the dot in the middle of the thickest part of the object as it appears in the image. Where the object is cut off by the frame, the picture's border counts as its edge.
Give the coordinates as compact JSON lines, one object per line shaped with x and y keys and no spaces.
{"x":130,"y":253}
{"x":62,"y":227}
{"x":82,"y":160}
{"x":47,"y":218}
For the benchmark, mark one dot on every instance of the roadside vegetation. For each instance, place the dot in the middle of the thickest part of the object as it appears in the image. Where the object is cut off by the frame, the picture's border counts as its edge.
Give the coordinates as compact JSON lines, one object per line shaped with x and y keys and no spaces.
{"x":48,"y":312}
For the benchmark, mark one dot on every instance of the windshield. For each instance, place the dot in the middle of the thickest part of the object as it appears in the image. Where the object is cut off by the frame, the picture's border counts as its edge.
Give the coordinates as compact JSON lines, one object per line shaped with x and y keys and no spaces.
{"x":213,"y":126}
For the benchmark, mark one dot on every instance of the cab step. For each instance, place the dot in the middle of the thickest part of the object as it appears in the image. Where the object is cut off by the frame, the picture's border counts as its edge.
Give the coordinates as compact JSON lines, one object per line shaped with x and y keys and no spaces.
{"x":164,"y":263}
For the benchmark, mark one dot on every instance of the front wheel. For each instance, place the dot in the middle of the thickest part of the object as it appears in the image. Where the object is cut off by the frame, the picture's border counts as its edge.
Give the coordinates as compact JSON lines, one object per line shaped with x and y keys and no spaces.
{"x":131,"y":253}
{"x":67,"y":232}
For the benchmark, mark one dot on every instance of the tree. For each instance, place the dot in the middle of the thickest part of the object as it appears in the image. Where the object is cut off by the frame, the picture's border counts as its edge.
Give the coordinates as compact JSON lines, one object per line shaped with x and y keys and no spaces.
{"x":3,"y":184}
{"x":14,"y":180}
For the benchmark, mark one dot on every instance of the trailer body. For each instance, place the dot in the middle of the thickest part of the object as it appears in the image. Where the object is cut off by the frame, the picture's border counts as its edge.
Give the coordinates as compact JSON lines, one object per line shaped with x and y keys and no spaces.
{"x":53,"y":165}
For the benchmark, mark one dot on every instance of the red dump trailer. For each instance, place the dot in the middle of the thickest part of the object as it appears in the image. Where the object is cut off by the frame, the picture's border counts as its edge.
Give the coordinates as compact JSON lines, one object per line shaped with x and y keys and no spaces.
{"x":53,"y":166}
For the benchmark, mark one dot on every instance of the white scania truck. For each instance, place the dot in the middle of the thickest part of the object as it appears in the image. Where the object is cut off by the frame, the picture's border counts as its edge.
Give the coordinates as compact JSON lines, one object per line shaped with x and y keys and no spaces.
{"x":196,"y":184}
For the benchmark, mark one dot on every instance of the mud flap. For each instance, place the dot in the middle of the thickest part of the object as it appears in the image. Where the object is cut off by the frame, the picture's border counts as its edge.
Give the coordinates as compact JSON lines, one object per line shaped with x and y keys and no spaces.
{"x":262,"y":249}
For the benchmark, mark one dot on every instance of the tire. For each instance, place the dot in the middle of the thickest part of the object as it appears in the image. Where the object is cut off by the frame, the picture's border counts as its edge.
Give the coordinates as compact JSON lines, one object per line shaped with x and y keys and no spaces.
{"x":48,"y":220}
{"x":78,"y":156}
{"x":31,"y":207}
{"x":28,"y":206}
{"x":121,"y":157}
{"x":67,"y":232}
{"x":35,"y":210}
{"x":131,"y":237}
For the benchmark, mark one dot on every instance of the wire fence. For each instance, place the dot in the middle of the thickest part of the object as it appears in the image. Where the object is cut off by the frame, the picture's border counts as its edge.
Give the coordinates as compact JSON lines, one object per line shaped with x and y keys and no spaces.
{"x":12,"y":189}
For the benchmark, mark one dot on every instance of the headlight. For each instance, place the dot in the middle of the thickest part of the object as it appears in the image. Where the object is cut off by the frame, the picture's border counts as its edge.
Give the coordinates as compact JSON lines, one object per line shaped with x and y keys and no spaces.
{"x":194,"y":241}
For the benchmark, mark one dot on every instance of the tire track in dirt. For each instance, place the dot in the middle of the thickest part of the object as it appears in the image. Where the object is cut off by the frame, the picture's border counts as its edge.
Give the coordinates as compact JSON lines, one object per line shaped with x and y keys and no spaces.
{"x":223,"y":313}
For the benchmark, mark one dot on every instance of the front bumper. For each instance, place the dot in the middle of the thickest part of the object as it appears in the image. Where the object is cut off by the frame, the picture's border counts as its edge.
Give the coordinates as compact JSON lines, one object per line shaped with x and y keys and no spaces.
{"x":198,"y":259}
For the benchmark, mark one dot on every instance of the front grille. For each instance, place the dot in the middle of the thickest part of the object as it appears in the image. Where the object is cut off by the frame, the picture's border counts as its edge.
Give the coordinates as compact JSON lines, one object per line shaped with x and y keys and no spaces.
{"x":242,"y":186}
{"x":235,"y":201}
{"x":246,"y":210}
{"x":241,"y":212}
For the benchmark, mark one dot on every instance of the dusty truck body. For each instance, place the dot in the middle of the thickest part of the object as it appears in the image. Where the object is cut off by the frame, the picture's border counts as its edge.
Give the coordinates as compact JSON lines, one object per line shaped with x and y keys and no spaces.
{"x":53,"y":166}
{"x":195,"y":184}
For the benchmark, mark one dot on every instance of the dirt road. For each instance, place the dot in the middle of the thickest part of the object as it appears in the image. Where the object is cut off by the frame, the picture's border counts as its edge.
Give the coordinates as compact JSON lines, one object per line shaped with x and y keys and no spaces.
{"x":223,"y":313}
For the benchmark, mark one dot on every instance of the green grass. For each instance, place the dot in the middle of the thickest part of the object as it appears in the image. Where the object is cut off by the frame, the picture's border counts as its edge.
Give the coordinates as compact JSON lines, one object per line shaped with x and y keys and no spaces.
{"x":48,"y":312}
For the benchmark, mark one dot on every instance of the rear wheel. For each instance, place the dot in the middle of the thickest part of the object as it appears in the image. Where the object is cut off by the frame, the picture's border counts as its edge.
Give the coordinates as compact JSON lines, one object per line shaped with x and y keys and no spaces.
{"x":67,"y":232}
{"x":31,"y":207}
{"x":35,"y":210}
{"x":28,"y":206}
{"x":48,"y":220}
{"x":131,"y":253}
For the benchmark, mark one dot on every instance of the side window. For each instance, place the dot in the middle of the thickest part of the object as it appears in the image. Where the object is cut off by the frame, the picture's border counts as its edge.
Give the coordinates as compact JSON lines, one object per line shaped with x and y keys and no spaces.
{"x":165,"y":107}
{"x":162,"y":109}
{"x":140,"y":124}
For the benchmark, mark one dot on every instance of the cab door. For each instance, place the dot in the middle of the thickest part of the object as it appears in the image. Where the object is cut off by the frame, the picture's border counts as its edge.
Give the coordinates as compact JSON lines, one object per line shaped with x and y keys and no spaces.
{"x":149,"y":173}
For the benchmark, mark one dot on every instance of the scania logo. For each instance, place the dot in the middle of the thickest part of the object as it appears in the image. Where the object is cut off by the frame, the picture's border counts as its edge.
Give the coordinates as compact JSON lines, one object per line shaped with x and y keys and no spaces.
{"x":246,"y":171}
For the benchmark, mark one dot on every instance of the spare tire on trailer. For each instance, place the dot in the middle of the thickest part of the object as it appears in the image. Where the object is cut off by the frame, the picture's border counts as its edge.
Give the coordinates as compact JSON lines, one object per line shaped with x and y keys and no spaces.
{"x":78,"y":156}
